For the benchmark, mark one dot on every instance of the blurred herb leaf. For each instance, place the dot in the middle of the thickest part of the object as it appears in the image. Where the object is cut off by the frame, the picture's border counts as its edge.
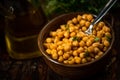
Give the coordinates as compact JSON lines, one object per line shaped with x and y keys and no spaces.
{"x":54,"y":7}
{"x":96,"y":39}
{"x":75,"y":38}
{"x":108,"y":38}
{"x":87,"y":54}
{"x":36,"y":3}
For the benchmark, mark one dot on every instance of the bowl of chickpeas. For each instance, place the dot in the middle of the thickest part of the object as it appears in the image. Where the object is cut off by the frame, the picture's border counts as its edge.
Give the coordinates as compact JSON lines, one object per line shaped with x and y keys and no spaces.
{"x":69,"y":51}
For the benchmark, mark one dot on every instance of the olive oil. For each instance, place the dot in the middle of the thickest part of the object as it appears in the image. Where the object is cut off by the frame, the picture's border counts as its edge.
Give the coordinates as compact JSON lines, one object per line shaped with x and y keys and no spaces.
{"x":22,"y":47}
{"x":22,"y":29}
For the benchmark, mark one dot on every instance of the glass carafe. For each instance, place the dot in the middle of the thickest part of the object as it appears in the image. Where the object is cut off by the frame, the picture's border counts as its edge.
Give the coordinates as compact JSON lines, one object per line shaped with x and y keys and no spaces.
{"x":22,"y":28}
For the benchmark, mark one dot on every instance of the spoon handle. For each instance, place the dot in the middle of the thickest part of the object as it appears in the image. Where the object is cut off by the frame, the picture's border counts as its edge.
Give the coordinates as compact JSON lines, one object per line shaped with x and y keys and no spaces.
{"x":104,"y":11}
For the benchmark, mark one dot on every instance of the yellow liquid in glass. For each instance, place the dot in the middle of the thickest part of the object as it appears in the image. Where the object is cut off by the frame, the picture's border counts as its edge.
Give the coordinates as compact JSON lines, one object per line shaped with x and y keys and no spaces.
{"x":22,"y":47}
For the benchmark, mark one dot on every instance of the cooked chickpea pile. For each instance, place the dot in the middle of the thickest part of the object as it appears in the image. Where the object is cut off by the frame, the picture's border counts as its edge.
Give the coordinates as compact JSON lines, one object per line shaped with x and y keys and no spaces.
{"x":70,"y":45}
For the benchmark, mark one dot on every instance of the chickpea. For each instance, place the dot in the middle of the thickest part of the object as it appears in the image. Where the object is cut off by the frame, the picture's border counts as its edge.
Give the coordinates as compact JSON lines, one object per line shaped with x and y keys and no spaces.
{"x":72,"y":61}
{"x":70,"y":58}
{"x":53,"y":46}
{"x":90,"y":49}
{"x":82,"y":55}
{"x":88,"y":43}
{"x":76,"y":27}
{"x":72,"y":34}
{"x":96,"y":50}
{"x":82,"y":43}
{"x":101,"y":46}
{"x":67,"y":47}
{"x":66,"y":56}
{"x":60,"y":59}
{"x":69,"y":22}
{"x":53,"y":51}
{"x":88,"y":58}
{"x":60,"y":47}
{"x":58,"y":30}
{"x":70,"y":52}
{"x":103,"y":39}
{"x":108,"y":34}
{"x":84,"y":28}
{"x":65,"y":40}
{"x":71,"y":39}
{"x":87,"y":24}
{"x":75,"y":53}
{"x":81,"y":34}
{"x":56,"y":39}
{"x":92,"y":39}
{"x":105,"y":49}
{"x":74,"y":48}
{"x":65,"y":61}
{"x":100,"y":53}
{"x":66,"y":34}
{"x":94,"y":27}
{"x":59,"y":43}
{"x":69,"y":25}
{"x":63,"y":27}
{"x":84,"y":16}
{"x":100,"y":34}
{"x":47,"y":45}
{"x":106,"y":43}
{"x":79,"y":17}
{"x":60,"y":34}
{"x":97,"y":56}
{"x":80,"y":50}
{"x":69,"y":43}
{"x":84,"y":60}
{"x":85,"y":38}
{"x":103,"y":32}
{"x":77,"y":60}
{"x":75,"y":43}
{"x":94,"y":32}
{"x":92,"y":20}
{"x":71,"y":28}
{"x":49,"y":40}
{"x":55,"y":56}
{"x":85,"y":47}
{"x":101,"y":24}
{"x":89,"y":17}
{"x":60,"y":52}
{"x":98,"y":28}
{"x":48,"y":51}
{"x":106,"y":29}
{"x":91,"y":36}
{"x":82,"y":22}
{"x":74,"y":20}
{"x":53,"y":33}
{"x":96,"y":44}
{"x":76,"y":31}
{"x":92,"y":59}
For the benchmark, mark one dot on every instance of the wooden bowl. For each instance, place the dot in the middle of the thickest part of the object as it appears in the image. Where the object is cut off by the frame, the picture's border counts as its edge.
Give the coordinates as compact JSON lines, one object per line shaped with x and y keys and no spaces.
{"x":77,"y":70}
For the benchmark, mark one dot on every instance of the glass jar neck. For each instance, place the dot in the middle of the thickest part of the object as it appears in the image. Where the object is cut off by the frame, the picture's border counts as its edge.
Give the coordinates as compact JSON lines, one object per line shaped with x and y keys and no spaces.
{"x":21,"y":6}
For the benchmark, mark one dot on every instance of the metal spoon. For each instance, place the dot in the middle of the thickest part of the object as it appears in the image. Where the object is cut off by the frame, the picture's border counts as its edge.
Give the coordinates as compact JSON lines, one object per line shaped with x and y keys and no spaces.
{"x":107,"y":7}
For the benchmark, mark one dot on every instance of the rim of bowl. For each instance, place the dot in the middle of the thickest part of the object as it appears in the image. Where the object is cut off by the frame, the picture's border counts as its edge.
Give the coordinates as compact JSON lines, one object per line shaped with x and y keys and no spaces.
{"x":42,"y":49}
